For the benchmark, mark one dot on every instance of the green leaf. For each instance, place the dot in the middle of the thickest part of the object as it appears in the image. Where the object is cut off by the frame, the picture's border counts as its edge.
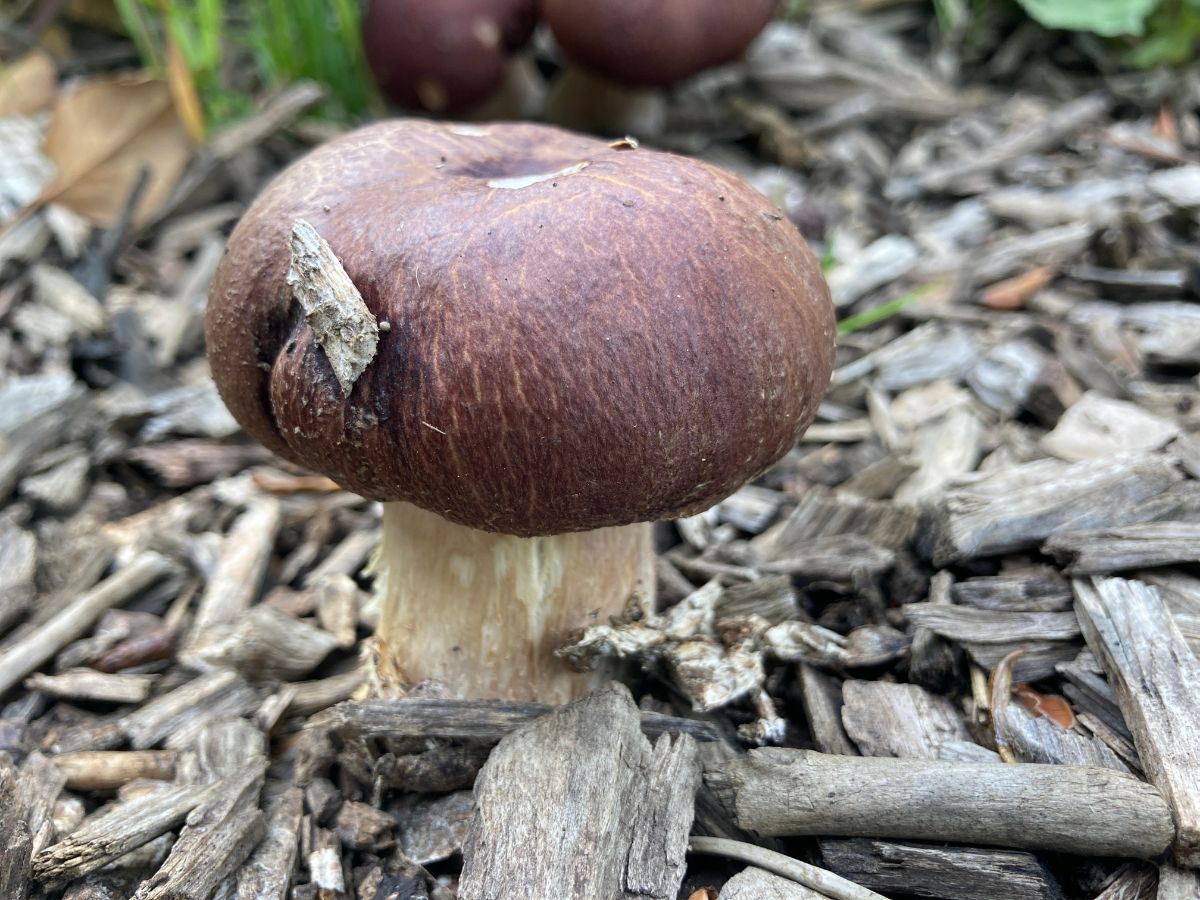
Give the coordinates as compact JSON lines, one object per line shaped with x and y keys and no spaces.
{"x":1110,"y":18}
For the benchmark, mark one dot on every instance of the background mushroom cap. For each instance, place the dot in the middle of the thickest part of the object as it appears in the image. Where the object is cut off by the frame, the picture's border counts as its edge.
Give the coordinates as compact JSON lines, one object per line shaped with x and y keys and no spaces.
{"x":629,"y":339}
{"x":654,"y":43}
{"x":446,"y":55}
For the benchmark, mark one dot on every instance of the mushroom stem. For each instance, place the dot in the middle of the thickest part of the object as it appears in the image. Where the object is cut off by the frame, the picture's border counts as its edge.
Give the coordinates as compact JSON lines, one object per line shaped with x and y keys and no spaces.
{"x":483,"y":613}
{"x":586,"y":102}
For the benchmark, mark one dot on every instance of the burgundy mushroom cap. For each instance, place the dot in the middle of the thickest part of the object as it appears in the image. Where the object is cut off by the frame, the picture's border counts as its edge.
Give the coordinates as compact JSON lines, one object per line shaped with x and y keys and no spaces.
{"x":577,"y":334}
{"x":654,"y":43}
{"x":447,"y":55}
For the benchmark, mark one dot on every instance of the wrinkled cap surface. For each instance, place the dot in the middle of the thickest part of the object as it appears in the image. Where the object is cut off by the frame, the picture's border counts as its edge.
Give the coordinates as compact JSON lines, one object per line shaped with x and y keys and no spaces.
{"x":654,"y":43}
{"x":578,"y":335}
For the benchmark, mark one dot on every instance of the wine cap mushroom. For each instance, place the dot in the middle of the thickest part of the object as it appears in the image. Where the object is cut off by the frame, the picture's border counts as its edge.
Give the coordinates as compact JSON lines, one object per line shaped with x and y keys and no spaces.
{"x":655,"y":44}
{"x":443,"y":56}
{"x":512,"y":331}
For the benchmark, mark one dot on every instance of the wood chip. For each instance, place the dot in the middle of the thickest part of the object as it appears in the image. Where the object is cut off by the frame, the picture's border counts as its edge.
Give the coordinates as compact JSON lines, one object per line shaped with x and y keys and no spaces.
{"x":1065,"y":808}
{"x":333,"y":307}
{"x":928,"y":870}
{"x":1099,"y":551}
{"x":74,"y":620}
{"x":1099,"y":426}
{"x":598,"y":810}
{"x":1128,"y":627}
{"x":1018,"y":508}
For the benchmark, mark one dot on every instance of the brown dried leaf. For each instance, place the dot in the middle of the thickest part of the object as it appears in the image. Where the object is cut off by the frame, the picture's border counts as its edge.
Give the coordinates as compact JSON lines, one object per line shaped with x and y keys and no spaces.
{"x":29,"y":85}
{"x":1012,"y":293}
{"x":101,"y":136}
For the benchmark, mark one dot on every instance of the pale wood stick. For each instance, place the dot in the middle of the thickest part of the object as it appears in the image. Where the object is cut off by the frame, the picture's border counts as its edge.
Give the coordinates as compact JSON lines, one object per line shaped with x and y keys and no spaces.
{"x":1070,"y":809}
{"x":73,"y":622}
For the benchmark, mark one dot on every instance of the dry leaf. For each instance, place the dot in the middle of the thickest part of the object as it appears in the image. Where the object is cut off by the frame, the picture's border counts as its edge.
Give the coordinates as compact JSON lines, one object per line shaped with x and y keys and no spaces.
{"x":28,"y":86}
{"x":1013,"y":292}
{"x":101,"y":136}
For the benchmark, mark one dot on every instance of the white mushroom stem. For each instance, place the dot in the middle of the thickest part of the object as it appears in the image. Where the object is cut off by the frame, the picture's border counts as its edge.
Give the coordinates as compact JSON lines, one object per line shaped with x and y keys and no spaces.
{"x":483,"y":613}
{"x":584,"y":102}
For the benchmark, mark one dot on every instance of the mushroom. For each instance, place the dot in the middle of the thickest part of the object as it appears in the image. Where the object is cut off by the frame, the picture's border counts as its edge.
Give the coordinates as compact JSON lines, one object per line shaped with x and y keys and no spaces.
{"x":628,"y":48}
{"x":445,"y":56}
{"x":528,"y":344}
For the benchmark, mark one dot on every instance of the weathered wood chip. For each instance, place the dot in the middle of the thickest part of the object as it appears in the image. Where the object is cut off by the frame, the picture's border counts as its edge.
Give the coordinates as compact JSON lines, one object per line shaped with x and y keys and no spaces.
{"x":344,"y":327}
{"x":1130,"y":630}
{"x":1098,"y":426}
{"x":471,"y":720}
{"x":1018,"y":508}
{"x":928,"y":870}
{"x":992,"y":626}
{"x":1098,"y":551}
{"x":901,"y":720}
{"x":580,"y":798}
{"x":1070,"y":809}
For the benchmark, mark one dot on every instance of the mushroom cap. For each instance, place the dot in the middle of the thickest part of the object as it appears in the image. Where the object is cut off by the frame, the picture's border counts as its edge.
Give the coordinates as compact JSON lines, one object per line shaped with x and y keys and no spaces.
{"x":654,"y":43}
{"x":578,"y":335}
{"x":446,"y":55}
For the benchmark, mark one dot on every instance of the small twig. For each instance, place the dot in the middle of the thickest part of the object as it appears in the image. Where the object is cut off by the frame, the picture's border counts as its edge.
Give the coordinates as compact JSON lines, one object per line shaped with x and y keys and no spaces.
{"x":1000,"y":689}
{"x":817,"y":879}
{"x":94,"y":271}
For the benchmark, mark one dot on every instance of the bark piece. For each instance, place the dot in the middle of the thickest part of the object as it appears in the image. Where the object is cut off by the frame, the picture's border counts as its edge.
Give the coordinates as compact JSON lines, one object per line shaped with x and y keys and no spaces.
{"x":825,"y":513}
{"x":76,"y":618}
{"x":1148,"y":662}
{"x":264,"y":644}
{"x":901,"y":720}
{"x":226,"y":827}
{"x":986,"y":626}
{"x":15,"y":873}
{"x":1068,"y":809}
{"x":18,"y":565}
{"x":487,"y":721}
{"x":823,"y":701}
{"x":1018,"y":508}
{"x":436,"y":829}
{"x":115,"y":830}
{"x":244,"y":554}
{"x":579,"y":798}
{"x":927,"y":870}
{"x":1175,"y":883}
{"x":35,"y":410}
{"x":1036,"y":592}
{"x":268,"y":872}
{"x":1098,"y":426}
{"x":344,"y":327}
{"x":181,"y":714}
{"x":1099,"y":551}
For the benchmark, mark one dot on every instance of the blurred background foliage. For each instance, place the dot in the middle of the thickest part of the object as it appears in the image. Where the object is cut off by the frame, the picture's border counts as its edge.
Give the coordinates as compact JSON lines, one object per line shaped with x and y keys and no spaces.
{"x":218,"y":55}
{"x":281,"y":40}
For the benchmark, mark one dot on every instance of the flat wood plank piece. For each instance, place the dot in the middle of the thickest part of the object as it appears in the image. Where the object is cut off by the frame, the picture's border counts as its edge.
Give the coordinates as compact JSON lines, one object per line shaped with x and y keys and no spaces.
{"x":1129,"y":628}
{"x":1069,"y":809}
{"x":578,"y":804}
{"x":930,"y":870}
